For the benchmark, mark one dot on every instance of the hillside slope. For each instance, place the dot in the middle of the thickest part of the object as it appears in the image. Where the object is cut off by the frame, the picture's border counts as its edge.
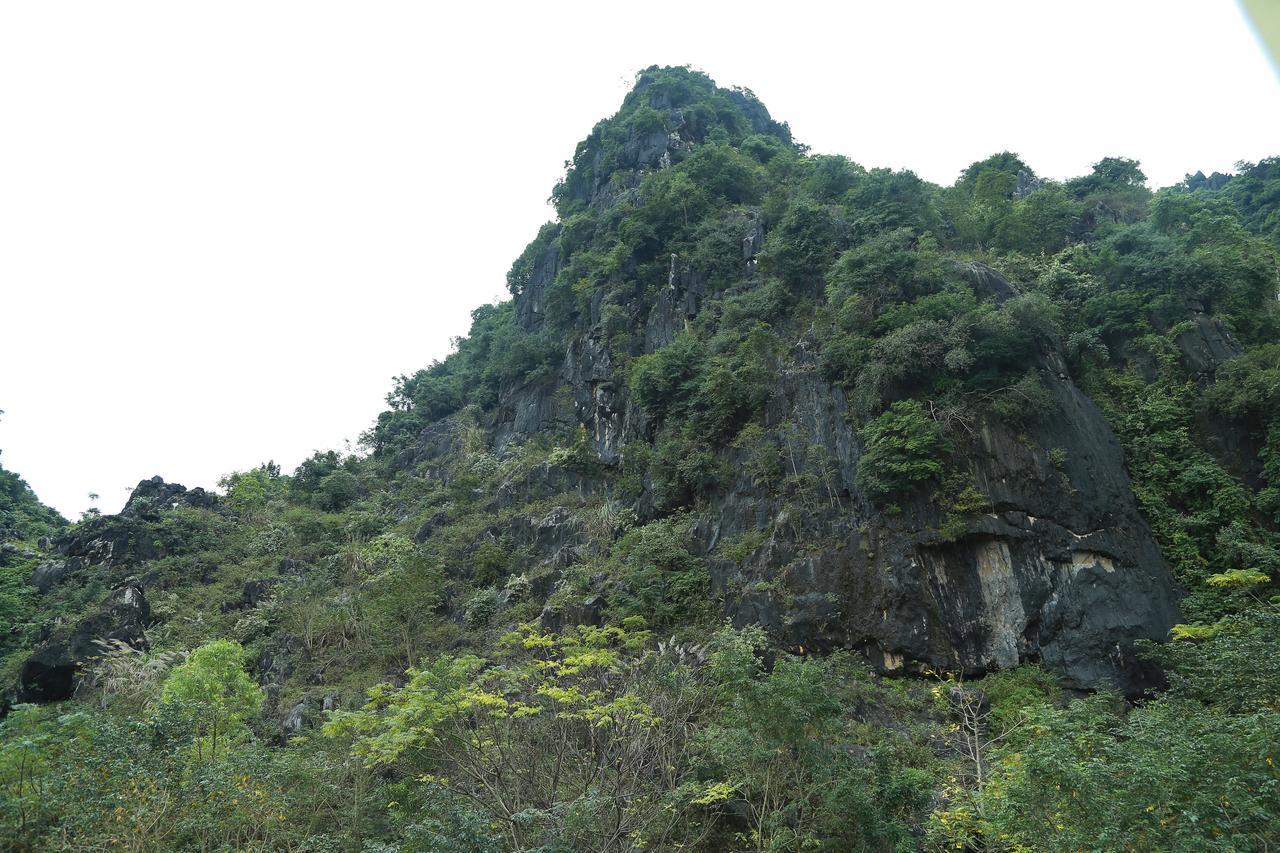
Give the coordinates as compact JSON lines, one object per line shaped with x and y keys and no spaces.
{"x":643,"y":562}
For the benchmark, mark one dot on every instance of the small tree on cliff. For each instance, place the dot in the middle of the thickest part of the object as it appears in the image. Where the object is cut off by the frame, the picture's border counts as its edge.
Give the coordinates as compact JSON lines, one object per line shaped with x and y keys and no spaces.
{"x":904,"y":448}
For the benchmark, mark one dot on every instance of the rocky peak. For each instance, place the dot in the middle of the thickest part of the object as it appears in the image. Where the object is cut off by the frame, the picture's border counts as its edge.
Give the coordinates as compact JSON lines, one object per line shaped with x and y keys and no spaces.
{"x":154,"y":494}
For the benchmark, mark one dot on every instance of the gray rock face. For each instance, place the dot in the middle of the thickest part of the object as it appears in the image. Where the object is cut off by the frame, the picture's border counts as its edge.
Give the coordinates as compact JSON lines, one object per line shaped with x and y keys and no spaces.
{"x":676,"y":305}
{"x":1060,"y":569}
{"x":527,"y":410}
{"x":531,"y":308}
{"x":151,"y":496}
{"x":112,"y":540}
{"x":599,"y":402}
{"x":50,"y":673}
{"x":1206,"y":345}
{"x":295,"y":719}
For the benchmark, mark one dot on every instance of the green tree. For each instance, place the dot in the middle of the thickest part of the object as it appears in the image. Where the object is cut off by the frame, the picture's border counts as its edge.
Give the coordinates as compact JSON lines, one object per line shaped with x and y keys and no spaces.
{"x":904,"y":448}
{"x":577,"y":739}
{"x":774,"y":747}
{"x":216,"y":694}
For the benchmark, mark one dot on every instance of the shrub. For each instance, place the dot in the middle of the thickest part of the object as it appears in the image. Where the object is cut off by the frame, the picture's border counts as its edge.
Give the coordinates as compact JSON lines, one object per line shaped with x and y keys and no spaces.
{"x":663,"y":381}
{"x":904,"y":448}
{"x":803,"y":245}
{"x":657,"y":576}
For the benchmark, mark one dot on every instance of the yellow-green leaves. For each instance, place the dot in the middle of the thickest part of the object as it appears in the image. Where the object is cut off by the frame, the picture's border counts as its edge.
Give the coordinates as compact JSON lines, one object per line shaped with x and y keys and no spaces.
{"x":1238,"y":579}
{"x":217,"y":694}
{"x":465,"y":703}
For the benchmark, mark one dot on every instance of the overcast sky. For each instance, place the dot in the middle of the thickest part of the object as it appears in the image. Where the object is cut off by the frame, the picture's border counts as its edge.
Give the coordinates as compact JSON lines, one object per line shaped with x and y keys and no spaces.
{"x":224,"y":227}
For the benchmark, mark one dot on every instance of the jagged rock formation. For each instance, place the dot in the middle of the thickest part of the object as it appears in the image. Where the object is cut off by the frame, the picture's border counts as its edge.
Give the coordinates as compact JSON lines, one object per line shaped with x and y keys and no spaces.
{"x":50,"y":673}
{"x":1060,"y":568}
{"x":118,"y":547}
{"x":1057,"y":564}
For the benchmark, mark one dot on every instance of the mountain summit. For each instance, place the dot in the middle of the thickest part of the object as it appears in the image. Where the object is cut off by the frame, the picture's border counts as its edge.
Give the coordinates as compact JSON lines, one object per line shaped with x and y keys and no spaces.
{"x":726,"y":328}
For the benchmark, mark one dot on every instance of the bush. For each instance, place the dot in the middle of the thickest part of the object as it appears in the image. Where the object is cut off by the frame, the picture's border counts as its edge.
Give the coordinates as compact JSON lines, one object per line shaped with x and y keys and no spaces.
{"x":657,"y":577}
{"x":904,"y":448}
{"x":803,"y":245}
{"x":664,"y":381}
{"x":683,"y":468}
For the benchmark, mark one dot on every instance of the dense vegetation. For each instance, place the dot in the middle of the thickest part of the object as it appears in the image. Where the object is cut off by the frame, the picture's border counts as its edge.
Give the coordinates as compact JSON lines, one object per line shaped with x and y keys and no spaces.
{"x":445,"y":687}
{"x":23,"y":519}
{"x":22,"y":516}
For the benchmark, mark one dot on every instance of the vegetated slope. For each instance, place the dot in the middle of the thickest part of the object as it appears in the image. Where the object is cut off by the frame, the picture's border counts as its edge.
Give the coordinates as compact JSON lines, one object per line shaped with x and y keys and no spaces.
{"x":872,"y":424}
{"x":22,"y":516}
{"x":25,"y":523}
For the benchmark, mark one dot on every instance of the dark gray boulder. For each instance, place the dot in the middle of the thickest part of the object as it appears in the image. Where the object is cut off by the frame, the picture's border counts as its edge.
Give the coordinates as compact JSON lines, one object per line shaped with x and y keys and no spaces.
{"x":112,"y":540}
{"x":252,"y":593}
{"x":1205,"y":345}
{"x":50,"y":573}
{"x":50,"y":673}
{"x":151,"y":496}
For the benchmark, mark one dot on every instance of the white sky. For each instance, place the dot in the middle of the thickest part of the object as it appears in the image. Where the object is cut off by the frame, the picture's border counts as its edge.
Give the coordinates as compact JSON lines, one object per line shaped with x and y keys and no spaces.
{"x":225,"y":226}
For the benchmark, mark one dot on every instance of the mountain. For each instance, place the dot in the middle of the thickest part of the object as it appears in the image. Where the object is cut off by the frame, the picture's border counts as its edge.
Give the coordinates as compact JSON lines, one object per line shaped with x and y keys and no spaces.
{"x":787,"y":503}
{"x":22,"y":516}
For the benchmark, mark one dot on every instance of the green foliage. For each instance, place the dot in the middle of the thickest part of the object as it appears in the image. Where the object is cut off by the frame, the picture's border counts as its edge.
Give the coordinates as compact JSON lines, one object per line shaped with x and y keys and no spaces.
{"x":1195,"y":769}
{"x":1039,"y":222}
{"x":774,"y":748}
{"x":983,"y":197}
{"x":682,"y":468}
{"x":1255,"y":192}
{"x":554,"y":740}
{"x":21,"y":513}
{"x":804,"y":243}
{"x":251,"y":491}
{"x":664,"y":381}
{"x":1236,"y":669}
{"x":1169,"y":775}
{"x":85,"y":779}
{"x":213,"y":691}
{"x":1248,"y":387}
{"x":1201,"y":515}
{"x":658,"y":578}
{"x":904,"y":448}
{"x":959,"y":499}
{"x":893,"y":266}
{"x":884,"y":200}
{"x":187,"y":529}
{"x":1109,"y":173}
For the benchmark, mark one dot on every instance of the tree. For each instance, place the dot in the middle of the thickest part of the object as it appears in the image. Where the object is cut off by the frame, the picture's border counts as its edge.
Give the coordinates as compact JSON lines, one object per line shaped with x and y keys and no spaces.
{"x":1038,"y":223}
{"x":215,"y":692}
{"x":804,"y":243}
{"x":774,"y":748}
{"x":983,"y":196}
{"x":904,"y":448}
{"x":664,"y":381}
{"x":578,"y":738}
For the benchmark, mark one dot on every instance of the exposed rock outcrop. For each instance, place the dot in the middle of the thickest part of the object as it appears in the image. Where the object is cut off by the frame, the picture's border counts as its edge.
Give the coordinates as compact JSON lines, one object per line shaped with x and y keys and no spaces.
{"x":1206,"y":345}
{"x":50,"y":673}
{"x":124,"y":541}
{"x":113,"y":549}
{"x":151,"y":496}
{"x":1061,"y":568}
